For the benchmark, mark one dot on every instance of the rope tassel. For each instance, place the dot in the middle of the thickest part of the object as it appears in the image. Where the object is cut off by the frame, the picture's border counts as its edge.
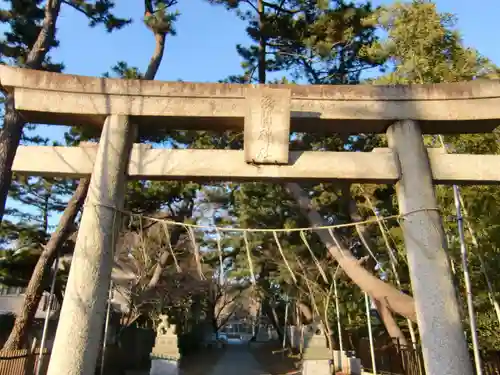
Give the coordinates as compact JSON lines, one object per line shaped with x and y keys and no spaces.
{"x":196,"y":251}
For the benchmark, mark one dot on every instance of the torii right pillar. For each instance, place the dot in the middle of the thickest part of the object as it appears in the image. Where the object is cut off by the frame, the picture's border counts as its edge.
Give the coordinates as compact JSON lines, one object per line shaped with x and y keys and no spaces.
{"x":442,"y":336}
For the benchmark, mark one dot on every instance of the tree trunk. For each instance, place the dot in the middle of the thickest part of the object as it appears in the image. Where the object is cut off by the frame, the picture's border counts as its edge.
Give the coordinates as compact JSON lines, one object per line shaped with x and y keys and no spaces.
{"x":152,"y":70}
{"x":19,"y":334}
{"x":12,"y":130}
{"x":395,"y":300}
{"x":266,"y":307}
{"x":155,"y":61}
{"x":273,"y":318}
{"x":306,"y":313}
{"x":385,"y":314}
{"x":390,"y":323}
{"x":162,"y":262}
{"x":262,"y":43}
{"x":215,"y":326}
{"x":41,"y":47}
{"x":10,"y":136}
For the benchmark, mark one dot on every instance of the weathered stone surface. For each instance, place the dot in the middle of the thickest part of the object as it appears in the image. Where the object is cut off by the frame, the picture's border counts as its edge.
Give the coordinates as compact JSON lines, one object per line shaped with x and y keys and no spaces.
{"x":166,"y":342}
{"x":315,"y":343}
{"x":79,"y":332}
{"x":316,"y":367}
{"x":54,"y":98}
{"x":164,"y":367}
{"x":355,"y":367}
{"x":166,"y":347}
{"x":267,"y":126}
{"x":444,"y":345}
{"x":35,"y":79}
{"x":167,"y":164}
{"x":377,"y":167}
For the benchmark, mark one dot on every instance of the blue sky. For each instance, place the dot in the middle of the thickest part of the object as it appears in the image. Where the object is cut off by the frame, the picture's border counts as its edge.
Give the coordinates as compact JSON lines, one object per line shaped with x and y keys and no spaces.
{"x":204,"y":49}
{"x":210,"y":33}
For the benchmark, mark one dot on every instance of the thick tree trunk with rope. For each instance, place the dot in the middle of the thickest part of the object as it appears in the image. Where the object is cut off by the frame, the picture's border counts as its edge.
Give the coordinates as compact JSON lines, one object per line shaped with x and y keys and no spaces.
{"x":384,"y":313}
{"x":19,"y":334}
{"x":163,"y":260}
{"x":384,"y":293}
{"x":395,"y":300}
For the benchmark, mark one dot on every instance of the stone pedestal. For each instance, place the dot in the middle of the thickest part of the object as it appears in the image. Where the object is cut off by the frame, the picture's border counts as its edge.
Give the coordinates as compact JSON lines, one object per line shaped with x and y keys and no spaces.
{"x":165,"y":354}
{"x":345,"y":364}
{"x":317,"y":357}
{"x":164,"y":367}
{"x":316,"y":367}
{"x":355,"y":367}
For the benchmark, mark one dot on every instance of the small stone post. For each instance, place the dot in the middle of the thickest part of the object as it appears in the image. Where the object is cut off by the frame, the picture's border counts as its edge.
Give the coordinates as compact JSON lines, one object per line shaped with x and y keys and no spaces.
{"x":79,"y":333}
{"x":317,"y":357}
{"x":443,"y":341}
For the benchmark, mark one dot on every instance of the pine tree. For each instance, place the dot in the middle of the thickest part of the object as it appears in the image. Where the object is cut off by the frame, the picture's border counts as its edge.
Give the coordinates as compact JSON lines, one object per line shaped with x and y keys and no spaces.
{"x":30,"y":36}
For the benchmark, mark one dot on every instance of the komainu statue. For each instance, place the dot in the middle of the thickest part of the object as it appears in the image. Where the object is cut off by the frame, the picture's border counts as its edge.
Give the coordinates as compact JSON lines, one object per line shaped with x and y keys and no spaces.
{"x":165,"y":328}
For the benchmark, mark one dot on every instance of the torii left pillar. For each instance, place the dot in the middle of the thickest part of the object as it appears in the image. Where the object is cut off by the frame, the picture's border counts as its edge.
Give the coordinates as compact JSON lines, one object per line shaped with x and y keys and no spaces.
{"x":81,"y":321}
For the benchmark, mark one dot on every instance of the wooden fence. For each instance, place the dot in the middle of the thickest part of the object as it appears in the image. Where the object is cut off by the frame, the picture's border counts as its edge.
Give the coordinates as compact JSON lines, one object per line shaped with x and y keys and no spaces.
{"x":491,"y":363}
{"x":22,"y":362}
{"x":396,"y":359}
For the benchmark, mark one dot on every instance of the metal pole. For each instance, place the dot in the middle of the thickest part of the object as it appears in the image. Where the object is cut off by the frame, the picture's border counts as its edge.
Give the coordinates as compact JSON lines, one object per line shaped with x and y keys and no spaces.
{"x":339,"y":326}
{"x":105,"y":340}
{"x":370,"y":335}
{"x":491,"y":290}
{"x":468,"y":286}
{"x":55,"y":268}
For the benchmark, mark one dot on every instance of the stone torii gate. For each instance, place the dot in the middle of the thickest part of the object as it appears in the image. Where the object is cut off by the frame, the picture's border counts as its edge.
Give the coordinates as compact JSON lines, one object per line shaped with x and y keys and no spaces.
{"x":267,"y":113}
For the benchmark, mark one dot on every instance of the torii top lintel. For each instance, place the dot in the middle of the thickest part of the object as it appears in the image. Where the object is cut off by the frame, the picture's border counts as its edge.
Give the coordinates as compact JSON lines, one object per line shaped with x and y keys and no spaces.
{"x":54,"y":98}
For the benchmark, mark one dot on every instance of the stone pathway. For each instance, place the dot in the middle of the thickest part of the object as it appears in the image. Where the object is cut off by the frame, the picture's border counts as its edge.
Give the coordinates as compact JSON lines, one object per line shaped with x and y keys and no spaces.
{"x":238,"y":360}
